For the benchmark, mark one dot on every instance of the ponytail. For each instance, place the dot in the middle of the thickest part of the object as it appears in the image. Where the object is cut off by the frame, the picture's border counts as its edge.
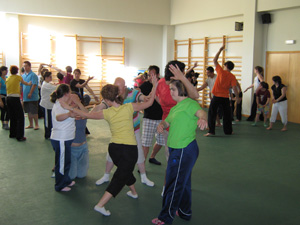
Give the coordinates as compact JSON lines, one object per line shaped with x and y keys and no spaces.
{"x":60,"y":91}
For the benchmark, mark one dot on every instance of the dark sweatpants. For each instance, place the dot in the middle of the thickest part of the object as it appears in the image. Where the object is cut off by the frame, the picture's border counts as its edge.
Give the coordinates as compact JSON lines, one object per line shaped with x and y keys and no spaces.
{"x":47,"y":121}
{"x":16,"y":114}
{"x":212,"y":114}
{"x":178,"y":193}
{"x":125,"y":158}
{"x":62,"y":163}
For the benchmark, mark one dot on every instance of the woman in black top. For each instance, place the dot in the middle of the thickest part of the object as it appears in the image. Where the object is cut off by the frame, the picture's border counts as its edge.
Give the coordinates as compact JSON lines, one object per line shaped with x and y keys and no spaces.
{"x":279,"y":103}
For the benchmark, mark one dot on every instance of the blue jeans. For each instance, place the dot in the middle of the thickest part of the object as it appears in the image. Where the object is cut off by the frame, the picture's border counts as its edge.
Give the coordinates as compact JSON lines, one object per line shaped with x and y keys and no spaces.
{"x":177,"y":194}
{"x":79,"y":161}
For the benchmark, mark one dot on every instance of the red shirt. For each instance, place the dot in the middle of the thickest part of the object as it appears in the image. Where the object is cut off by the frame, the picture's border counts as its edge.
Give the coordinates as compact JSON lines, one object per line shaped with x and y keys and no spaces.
{"x":224,"y":81}
{"x":165,"y":99}
{"x":67,"y":79}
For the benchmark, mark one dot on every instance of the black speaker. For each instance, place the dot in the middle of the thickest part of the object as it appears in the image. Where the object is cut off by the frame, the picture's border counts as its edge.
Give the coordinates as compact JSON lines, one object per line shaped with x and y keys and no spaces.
{"x":266,"y":18}
{"x":239,"y":26}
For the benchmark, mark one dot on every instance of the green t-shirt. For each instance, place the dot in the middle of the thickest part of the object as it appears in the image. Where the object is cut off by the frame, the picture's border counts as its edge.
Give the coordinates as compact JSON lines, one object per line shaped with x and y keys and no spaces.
{"x":183,"y":123}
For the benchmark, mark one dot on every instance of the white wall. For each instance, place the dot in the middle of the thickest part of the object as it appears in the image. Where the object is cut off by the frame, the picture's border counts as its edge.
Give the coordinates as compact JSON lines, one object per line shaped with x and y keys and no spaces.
{"x":10,"y":39}
{"x":267,"y":5}
{"x":285,"y":25}
{"x":209,"y":28}
{"x":143,"y":43}
{"x":136,"y":11}
{"x":198,"y":10}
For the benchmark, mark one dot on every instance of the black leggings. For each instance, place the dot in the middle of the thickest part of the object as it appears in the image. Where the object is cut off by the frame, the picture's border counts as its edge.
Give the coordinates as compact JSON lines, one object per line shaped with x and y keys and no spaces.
{"x":4,"y":110}
{"x":125,"y":158}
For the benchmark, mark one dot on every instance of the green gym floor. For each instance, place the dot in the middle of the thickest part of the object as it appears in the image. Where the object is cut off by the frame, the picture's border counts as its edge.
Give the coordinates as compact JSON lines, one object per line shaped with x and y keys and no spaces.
{"x":249,"y":178}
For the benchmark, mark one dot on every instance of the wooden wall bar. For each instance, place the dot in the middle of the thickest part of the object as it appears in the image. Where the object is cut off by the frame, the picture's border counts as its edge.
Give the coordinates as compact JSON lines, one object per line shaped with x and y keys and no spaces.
{"x":196,"y":50}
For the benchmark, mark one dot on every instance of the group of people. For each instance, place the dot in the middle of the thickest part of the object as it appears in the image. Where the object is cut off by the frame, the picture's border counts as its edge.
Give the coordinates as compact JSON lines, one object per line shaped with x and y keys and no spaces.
{"x":171,"y":114}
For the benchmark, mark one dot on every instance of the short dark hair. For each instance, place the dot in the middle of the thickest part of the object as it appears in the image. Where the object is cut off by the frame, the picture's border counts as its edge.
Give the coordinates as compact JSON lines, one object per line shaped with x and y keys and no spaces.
{"x":60,"y":76}
{"x":153,"y":67}
{"x":168,"y":73}
{"x":196,"y":75}
{"x":180,"y":87}
{"x":14,"y":70}
{"x":3,"y":68}
{"x":210,"y":69}
{"x":277,"y":79}
{"x":46,"y":74}
{"x":28,"y":63}
{"x":69,"y":69}
{"x":264,"y":85}
{"x":76,"y":70}
{"x":229,"y":65}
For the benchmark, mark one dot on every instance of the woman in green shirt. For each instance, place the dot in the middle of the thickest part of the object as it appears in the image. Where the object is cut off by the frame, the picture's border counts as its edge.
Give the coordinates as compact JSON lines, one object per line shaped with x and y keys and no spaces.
{"x":183,"y":120}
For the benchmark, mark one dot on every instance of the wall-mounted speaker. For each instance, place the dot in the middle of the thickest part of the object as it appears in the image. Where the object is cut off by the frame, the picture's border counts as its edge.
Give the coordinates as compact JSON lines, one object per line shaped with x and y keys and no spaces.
{"x":266,"y":18}
{"x":239,"y":26}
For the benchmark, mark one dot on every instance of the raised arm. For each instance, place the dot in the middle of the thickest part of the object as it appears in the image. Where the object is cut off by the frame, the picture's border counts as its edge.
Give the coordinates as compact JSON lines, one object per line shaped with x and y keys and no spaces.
{"x":178,"y":75}
{"x":193,"y":67}
{"x":146,"y":104}
{"x":41,"y":67}
{"x":84,"y":84}
{"x":217,"y":55}
{"x":58,"y":70}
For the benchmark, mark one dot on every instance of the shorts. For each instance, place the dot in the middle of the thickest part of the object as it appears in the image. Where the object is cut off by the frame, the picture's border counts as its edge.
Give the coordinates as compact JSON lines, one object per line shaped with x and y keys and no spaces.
{"x":31,"y":107}
{"x":261,"y":109}
{"x":149,"y":129}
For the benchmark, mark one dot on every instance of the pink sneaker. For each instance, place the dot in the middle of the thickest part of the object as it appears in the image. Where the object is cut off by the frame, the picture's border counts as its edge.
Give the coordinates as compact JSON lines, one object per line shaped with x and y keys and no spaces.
{"x":156,"y":221}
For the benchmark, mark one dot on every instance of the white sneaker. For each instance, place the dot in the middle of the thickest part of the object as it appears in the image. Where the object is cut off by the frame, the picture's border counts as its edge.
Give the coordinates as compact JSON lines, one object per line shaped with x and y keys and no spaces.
{"x":53,"y":175}
{"x":146,"y":181}
{"x":102,"y":180}
{"x":129,"y":193}
{"x":102,"y":210}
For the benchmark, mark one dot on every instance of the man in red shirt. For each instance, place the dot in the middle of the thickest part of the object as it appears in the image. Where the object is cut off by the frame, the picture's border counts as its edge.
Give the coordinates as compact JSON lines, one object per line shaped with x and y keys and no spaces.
{"x":225,"y":80}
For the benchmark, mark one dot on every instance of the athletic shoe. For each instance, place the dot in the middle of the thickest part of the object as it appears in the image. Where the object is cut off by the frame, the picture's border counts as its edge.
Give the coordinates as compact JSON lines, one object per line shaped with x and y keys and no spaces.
{"x":154,"y":161}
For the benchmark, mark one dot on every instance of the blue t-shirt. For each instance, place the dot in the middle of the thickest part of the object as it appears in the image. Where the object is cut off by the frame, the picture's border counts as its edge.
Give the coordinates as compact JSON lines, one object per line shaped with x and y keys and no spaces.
{"x":3,"y":87}
{"x":31,"y":76}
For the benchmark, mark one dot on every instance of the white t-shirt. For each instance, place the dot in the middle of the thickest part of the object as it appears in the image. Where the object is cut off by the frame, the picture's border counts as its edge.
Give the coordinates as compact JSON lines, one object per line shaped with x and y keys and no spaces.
{"x":62,"y":130}
{"x":210,"y":82}
{"x":256,"y":83}
{"x":46,"y":90}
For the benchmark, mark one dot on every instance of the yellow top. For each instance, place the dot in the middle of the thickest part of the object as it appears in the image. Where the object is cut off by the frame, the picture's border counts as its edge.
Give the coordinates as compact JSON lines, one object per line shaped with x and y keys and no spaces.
{"x":121,"y":124}
{"x":13,"y":84}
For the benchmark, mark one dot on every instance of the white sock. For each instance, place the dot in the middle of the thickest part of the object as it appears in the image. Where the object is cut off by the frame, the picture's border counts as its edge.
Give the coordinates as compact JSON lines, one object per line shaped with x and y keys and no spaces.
{"x":102,"y":210}
{"x":163,"y":190}
{"x":103,"y":179}
{"x":146,"y":181}
{"x":129,"y":193}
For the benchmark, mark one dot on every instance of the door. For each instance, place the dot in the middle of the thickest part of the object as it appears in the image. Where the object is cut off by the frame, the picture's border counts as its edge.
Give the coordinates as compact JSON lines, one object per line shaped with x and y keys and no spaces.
{"x":287,"y":66}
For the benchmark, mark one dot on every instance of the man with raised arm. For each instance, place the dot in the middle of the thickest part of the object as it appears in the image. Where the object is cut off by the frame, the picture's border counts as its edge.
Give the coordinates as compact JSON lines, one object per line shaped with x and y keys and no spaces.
{"x":225,"y":80}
